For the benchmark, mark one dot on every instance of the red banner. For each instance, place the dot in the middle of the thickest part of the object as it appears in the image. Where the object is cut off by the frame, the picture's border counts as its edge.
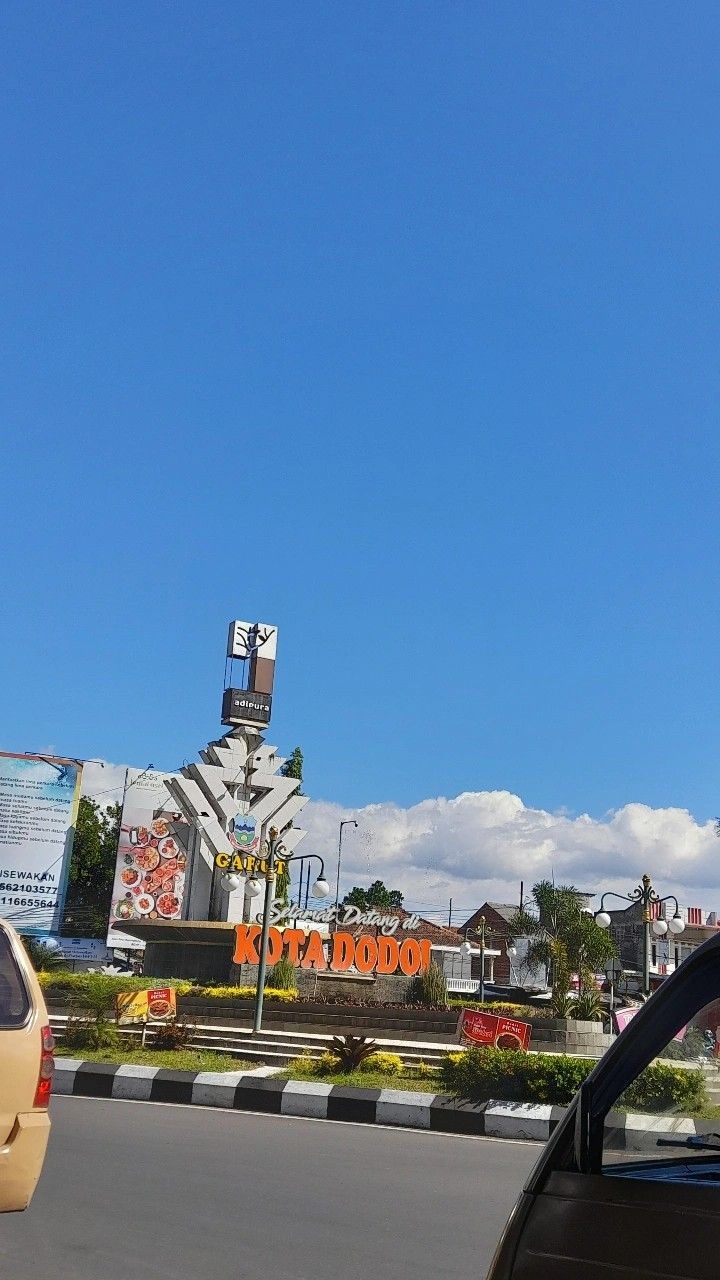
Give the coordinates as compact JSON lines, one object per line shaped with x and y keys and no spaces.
{"x":489,"y":1028}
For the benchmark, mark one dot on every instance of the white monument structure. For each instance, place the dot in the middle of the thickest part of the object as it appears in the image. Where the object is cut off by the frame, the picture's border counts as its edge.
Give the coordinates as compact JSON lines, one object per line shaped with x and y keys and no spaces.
{"x":237,"y":793}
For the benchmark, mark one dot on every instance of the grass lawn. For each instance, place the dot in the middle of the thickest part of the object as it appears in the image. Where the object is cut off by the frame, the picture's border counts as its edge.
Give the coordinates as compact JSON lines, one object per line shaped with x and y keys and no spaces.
{"x":366,"y":1079}
{"x":177,"y":1059}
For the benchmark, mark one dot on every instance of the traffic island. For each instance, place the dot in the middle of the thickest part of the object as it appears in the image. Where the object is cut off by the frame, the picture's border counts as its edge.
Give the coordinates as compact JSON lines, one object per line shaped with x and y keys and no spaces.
{"x":258,"y":1092}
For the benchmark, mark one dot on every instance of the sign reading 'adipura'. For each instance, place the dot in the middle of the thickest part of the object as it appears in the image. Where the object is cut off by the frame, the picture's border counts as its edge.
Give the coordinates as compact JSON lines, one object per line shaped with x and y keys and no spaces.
{"x":367,"y":954}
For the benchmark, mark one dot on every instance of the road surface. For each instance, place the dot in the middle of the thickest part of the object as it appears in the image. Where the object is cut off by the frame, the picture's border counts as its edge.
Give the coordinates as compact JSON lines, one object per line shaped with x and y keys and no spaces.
{"x":155,"y":1192}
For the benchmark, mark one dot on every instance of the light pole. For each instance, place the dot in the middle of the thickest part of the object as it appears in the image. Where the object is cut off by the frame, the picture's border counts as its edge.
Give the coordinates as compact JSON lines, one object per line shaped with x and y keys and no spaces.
{"x":273,"y":850}
{"x":466,"y":949}
{"x":646,"y":895}
{"x":347,"y":822}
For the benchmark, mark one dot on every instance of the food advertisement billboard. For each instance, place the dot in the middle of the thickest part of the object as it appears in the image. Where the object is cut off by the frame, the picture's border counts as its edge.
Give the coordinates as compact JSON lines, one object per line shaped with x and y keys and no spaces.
{"x":477,"y":1028}
{"x":151,"y":860}
{"x":155,"y":1005}
{"x":39,"y":797}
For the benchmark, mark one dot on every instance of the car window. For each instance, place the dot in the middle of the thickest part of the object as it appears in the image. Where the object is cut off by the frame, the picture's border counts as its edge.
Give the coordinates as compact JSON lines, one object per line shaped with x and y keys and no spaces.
{"x":667,"y":1123}
{"x":14,"y":998}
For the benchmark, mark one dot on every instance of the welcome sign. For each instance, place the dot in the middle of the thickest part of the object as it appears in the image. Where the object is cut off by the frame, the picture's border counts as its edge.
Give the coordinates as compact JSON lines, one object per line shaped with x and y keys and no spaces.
{"x":366,"y":954}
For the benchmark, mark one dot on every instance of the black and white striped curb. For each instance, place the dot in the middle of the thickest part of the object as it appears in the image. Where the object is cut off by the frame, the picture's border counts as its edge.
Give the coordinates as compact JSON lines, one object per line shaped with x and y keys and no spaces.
{"x":243,"y":1091}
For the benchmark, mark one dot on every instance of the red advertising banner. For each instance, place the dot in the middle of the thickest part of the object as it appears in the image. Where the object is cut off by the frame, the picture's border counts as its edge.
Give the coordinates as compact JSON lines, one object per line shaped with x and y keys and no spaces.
{"x":478,"y":1028}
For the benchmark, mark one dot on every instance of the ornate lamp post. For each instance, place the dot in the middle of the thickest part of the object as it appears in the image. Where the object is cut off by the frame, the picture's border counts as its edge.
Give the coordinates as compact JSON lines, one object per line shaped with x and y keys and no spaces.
{"x":646,"y":895}
{"x":272,"y":851}
{"x":466,"y":949}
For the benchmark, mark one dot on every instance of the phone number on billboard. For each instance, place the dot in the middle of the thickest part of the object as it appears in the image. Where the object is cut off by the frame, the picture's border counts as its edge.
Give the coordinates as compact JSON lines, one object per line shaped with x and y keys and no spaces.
{"x":18,"y":902}
{"x":28,"y":888}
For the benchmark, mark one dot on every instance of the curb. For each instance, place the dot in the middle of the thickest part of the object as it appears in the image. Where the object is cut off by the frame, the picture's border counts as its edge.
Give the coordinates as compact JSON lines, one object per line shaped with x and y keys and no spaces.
{"x":243,"y":1091}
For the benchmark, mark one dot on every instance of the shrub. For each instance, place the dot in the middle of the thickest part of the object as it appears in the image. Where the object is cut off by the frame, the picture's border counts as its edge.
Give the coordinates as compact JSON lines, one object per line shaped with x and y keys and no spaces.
{"x":285,"y":995}
{"x":386,"y":1064}
{"x":525,"y":1012}
{"x":423,"y":1070}
{"x":430,"y":987}
{"x":588,"y":1006}
{"x":172,"y":1035}
{"x":282,"y":976}
{"x":514,"y":1076}
{"x":351,"y":1051}
{"x":562,"y":1004}
{"x":663,"y":1088}
{"x":65,"y":985}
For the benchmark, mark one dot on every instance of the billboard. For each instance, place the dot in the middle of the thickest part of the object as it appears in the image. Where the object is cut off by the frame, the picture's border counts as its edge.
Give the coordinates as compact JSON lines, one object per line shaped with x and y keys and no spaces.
{"x":151,"y":859}
{"x":157,"y":1005}
{"x":39,"y":797}
{"x":479,"y":1028}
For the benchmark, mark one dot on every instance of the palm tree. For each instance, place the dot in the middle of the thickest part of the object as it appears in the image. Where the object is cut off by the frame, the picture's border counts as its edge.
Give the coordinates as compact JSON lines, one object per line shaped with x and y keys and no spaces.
{"x":564,"y":937}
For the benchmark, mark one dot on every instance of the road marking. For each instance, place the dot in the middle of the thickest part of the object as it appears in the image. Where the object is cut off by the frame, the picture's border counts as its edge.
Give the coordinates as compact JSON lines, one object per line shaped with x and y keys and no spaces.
{"x":271,"y":1115}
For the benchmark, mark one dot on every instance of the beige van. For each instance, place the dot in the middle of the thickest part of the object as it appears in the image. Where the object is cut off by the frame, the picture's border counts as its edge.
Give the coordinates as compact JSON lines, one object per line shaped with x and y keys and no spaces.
{"x":26,"y":1067}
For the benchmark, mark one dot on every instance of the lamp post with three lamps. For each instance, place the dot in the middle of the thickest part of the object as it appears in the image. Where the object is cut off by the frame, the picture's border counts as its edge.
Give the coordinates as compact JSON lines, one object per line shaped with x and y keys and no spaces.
{"x":273,"y":850}
{"x":646,"y":895}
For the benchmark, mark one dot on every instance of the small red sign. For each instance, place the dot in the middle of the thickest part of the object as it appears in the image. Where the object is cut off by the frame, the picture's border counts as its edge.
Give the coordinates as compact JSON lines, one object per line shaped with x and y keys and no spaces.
{"x":490,"y":1028}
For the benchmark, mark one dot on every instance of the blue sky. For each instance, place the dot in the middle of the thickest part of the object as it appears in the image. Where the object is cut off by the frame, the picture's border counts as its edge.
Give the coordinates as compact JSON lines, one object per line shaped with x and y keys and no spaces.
{"x":395,"y":325}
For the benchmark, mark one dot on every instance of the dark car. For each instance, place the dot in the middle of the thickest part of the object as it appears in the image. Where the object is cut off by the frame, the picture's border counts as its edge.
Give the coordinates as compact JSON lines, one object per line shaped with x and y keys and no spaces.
{"x":608,"y":1201}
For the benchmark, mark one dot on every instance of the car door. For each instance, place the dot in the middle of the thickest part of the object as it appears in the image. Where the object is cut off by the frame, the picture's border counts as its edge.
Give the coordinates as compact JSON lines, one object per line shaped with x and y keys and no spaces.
{"x":611,"y":1202}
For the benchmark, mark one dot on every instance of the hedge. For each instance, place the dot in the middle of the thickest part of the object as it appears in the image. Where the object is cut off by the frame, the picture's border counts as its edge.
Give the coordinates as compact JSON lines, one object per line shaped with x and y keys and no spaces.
{"x":514,"y":1076}
{"x":72,"y":986}
{"x":525,"y":1012}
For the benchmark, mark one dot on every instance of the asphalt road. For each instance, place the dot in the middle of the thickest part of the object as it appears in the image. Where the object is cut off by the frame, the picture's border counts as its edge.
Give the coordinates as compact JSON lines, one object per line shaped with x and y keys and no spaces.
{"x":150,"y":1191}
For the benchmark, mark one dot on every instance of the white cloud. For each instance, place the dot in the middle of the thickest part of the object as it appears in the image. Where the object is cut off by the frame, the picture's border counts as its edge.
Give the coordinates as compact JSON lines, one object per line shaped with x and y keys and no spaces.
{"x":481,"y":844}
{"x":103,"y":781}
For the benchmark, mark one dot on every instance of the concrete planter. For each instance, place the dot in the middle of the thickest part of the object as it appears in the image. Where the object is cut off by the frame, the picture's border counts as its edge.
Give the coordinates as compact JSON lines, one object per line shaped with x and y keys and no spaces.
{"x":570,"y":1035}
{"x":369,"y":1020}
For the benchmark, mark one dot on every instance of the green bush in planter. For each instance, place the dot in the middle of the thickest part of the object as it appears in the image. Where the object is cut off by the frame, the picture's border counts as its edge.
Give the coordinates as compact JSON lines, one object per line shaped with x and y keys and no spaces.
{"x":282,"y":976}
{"x":663,"y":1088}
{"x":509,"y":1076}
{"x":430,"y":987}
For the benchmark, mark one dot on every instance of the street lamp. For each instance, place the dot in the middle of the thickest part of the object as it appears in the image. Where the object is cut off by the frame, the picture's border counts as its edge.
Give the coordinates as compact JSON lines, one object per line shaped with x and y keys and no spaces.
{"x":347,"y":822}
{"x":466,"y":949}
{"x":646,"y":895}
{"x":273,"y":850}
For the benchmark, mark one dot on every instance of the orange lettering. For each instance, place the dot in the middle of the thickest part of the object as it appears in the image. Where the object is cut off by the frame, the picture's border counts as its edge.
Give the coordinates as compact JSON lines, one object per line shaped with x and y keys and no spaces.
{"x":425,"y":949}
{"x":410,"y":957}
{"x":388,"y":955}
{"x":314,"y":956}
{"x":274,"y":945}
{"x":293,"y":938}
{"x":343,"y":951}
{"x":245,"y":936}
{"x":366,"y":954}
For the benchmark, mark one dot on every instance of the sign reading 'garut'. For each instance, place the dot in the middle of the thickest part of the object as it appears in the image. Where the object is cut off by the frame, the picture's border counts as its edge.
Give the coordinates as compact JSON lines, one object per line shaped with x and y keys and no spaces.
{"x":365,"y":953}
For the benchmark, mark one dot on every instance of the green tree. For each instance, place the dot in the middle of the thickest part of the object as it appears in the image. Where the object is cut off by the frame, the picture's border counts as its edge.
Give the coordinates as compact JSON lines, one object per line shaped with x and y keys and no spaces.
{"x":562,"y":936}
{"x":92,"y":869}
{"x":377,"y":898}
{"x":293,"y":767}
